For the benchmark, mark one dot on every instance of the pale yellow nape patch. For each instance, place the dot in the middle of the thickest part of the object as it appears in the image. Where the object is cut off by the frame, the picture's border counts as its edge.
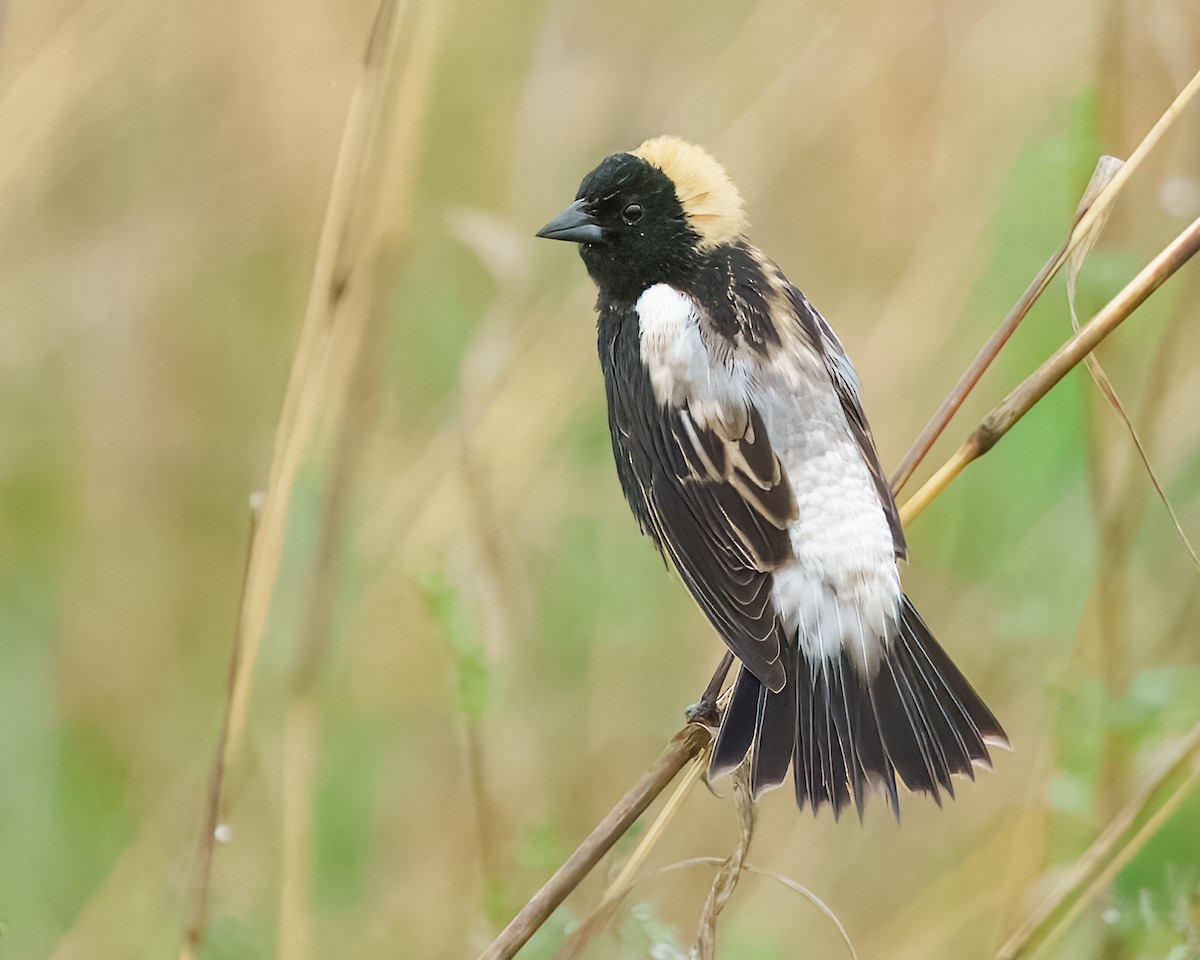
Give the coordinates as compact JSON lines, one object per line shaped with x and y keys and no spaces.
{"x":709,"y":199}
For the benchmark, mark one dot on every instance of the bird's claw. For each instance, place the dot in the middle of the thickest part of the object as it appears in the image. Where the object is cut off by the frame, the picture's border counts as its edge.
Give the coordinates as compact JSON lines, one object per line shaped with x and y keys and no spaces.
{"x":704,"y":712}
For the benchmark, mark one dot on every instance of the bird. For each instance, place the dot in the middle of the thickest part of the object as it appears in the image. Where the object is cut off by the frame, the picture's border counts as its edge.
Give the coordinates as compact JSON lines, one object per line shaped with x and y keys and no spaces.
{"x":742,"y":448}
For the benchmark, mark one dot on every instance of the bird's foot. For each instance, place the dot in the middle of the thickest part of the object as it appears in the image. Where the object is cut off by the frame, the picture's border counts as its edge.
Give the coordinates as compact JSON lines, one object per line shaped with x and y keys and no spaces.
{"x":705,"y":710}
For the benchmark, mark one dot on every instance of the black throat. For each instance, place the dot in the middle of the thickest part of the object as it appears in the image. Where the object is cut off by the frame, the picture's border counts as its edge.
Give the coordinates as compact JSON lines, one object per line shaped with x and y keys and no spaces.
{"x":622,"y":274}
{"x":729,"y":280}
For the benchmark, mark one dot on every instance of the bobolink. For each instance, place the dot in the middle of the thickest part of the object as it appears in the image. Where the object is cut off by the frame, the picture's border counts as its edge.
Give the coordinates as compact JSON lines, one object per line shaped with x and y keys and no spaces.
{"x":742,"y":448}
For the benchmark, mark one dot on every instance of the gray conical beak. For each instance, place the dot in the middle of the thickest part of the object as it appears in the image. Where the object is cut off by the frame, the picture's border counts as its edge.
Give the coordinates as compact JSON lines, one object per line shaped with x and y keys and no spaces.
{"x":576,"y":224}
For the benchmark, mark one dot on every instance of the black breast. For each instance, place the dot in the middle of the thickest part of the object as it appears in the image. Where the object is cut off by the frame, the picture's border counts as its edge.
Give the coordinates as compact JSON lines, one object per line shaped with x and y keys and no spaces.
{"x":631,"y":406}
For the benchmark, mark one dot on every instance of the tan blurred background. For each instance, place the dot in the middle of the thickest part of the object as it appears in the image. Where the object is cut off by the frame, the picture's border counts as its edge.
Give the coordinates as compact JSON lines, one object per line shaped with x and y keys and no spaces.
{"x":507,"y":654}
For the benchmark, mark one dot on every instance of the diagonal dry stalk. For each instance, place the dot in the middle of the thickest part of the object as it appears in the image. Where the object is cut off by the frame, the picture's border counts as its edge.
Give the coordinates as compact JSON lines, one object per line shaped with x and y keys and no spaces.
{"x":583,"y":935}
{"x":1124,"y":836}
{"x":1139,"y":818}
{"x":1075,"y":242}
{"x":302,"y":726}
{"x":323,"y":344}
{"x":974,"y":373}
{"x":195,"y":921}
{"x":397,"y":113}
{"x":330,"y":371}
{"x":1107,"y":167}
{"x":1022,"y":399}
{"x":686,"y":745}
{"x":999,"y":421}
{"x":1089,"y":221}
{"x":347,"y":222}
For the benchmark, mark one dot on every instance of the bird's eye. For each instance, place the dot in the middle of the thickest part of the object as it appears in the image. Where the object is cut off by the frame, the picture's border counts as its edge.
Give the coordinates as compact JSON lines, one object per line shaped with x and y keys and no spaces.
{"x":632,"y":213}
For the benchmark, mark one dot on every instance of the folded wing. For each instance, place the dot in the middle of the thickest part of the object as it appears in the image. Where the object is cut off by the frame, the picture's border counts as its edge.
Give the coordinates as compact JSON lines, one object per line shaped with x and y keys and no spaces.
{"x":699,"y":472}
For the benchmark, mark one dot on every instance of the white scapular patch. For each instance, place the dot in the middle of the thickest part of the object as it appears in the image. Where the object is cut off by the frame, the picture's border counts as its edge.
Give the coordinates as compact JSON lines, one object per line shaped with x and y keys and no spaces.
{"x":672,"y":348}
{"x":842,"y":590}
{"x":682,"y":370}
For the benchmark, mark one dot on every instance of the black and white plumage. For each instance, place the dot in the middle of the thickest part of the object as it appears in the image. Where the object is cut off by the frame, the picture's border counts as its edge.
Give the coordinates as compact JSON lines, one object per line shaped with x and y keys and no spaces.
{"x":742,"y":448}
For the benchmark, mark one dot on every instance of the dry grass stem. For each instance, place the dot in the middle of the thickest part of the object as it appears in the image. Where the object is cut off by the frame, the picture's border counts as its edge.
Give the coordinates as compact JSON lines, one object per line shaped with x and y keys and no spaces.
{"x":991,"y":349}
{"x":1116,"y":845}
{"x":347,"y":218}
{"x":671,"y":808}
{"x":783,"y":881}
{"x":1100,"y":377}
{"x":1106,"y":184}
{"x":812,"y":898}
{"x":974,"y":373}
{"x":301,"y":742}
{"x":353,"y":353}
{"x":686,"y":745}
{"x":730,"y":872}
{"x":1101,"y":208}
{"x":195,"y":920}
{"x":1022,"y":399}
{"x":578,"y":941}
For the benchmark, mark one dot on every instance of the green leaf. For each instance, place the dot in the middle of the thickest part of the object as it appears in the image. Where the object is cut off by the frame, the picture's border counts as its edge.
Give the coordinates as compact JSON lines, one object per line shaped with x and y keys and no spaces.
{"x":644,"y":935}
{"x":344,"y":820}
{"x":1157,"y":701}
{"x":458,"y":626}
{"x":541,"y":846}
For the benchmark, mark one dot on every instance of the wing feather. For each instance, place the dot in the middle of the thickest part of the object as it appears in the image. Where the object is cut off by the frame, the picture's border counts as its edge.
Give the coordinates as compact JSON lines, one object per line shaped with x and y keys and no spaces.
{"x":704,"y":483}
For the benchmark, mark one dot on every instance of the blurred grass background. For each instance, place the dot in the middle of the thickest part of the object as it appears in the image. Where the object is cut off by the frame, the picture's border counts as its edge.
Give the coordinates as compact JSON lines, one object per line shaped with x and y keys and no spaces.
{"x":507,"y":653}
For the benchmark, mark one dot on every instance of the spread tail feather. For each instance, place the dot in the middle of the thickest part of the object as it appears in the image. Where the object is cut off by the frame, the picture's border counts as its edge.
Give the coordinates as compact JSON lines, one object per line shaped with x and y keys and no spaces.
{"x":846,"y":735}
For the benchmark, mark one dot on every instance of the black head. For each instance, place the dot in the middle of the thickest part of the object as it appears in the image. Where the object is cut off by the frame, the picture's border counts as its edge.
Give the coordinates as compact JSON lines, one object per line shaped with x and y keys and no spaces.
{"x":650,"y":216}
{"x":630,"y":226}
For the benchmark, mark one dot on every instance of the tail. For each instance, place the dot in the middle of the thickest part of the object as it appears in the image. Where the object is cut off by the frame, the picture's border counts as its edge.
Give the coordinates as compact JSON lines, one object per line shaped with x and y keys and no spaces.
{"x":846,"y":735}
